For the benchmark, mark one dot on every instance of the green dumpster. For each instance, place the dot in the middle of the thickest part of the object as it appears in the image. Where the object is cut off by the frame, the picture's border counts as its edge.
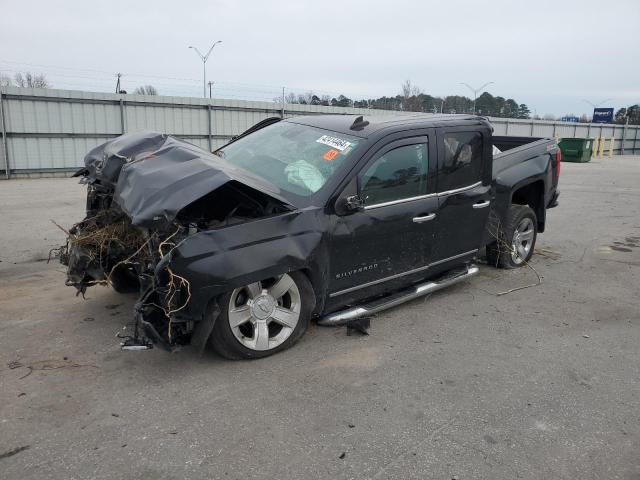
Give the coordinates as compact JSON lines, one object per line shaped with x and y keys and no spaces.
{"x":576,"y":149}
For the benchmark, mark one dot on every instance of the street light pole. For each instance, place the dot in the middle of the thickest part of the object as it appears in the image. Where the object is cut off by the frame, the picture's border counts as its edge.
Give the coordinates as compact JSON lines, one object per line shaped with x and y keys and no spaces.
{"x":204,"y":59}
{"x":475,"y":92}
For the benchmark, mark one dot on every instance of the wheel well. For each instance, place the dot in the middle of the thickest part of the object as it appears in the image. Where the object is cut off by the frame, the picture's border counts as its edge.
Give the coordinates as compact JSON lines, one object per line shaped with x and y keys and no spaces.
{"x":532,"y":195}
{"x":319,"y":302}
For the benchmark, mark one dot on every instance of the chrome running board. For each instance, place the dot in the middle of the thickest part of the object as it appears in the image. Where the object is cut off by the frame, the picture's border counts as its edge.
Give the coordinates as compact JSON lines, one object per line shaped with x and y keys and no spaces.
{"x":344,"y":316}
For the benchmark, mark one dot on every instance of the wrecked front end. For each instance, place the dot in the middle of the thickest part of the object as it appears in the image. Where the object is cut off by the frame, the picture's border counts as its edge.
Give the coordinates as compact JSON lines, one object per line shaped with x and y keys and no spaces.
{"x":107,"y":249}
{"x":148,"y":194}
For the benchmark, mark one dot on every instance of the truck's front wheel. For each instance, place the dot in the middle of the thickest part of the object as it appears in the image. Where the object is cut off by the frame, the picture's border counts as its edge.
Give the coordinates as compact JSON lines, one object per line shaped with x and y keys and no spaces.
{"x":516,"y":240}
{"x":264,"y":317}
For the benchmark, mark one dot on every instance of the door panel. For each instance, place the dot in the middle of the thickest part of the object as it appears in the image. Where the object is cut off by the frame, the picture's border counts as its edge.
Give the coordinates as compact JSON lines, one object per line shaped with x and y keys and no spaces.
{"x":374,"y":245}
{"x":373,"y":249}
{"x":462,"y":219}
{"x":464,"y":193}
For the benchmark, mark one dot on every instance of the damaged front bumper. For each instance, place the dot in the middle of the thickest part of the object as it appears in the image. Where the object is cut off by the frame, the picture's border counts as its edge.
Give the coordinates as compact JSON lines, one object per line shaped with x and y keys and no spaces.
{"x":161,"y":314}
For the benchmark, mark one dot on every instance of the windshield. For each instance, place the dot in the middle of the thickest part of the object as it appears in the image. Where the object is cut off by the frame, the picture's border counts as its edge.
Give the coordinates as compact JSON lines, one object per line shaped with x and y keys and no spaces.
{"x":298,"y":159}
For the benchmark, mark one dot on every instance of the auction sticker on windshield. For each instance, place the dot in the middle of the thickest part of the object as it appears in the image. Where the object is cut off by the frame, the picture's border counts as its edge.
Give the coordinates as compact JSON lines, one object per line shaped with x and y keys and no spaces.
{"x":330,"y":154}
{"x":334,"y":142}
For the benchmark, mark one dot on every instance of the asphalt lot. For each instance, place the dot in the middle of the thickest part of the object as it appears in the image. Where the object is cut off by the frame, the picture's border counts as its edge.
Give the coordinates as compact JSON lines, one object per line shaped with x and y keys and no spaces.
{"x":541,"y":383}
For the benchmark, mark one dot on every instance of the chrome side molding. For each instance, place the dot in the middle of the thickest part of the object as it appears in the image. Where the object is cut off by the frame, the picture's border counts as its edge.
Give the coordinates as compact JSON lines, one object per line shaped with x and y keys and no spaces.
{"x":398,"y":275}
{"x":459,"y":190}
{"x":344,"y":316}
{"x":423,"y":197}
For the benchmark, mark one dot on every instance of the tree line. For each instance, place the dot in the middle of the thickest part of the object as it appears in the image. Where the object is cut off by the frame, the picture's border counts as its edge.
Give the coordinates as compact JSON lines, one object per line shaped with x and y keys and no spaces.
{"x":412,"y":99}
{"x":39,"y":80}
{"x":630,"y":115}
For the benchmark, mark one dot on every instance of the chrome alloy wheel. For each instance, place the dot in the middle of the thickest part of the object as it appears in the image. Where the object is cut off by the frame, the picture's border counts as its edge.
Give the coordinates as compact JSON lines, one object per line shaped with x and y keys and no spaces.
{"x":522,"y":241}
{"x":264,"y":314}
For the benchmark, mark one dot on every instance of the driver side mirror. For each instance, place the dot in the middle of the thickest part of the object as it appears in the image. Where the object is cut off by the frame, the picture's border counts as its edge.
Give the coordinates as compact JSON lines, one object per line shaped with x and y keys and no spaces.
{"x":349,"y":201}
{"x":349,"y":204}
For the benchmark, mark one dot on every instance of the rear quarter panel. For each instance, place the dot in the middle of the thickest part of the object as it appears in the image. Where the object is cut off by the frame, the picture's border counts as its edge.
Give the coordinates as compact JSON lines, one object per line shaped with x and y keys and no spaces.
{"x":517,"y":169}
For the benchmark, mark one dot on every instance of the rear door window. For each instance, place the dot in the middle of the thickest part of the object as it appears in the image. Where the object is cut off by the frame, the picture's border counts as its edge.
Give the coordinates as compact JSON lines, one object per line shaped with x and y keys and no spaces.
{"x":461,"y":163}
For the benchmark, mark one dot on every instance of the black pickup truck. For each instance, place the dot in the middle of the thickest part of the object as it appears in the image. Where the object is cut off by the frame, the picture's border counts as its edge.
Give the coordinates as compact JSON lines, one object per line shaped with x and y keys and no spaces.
{"x":325,"y":217}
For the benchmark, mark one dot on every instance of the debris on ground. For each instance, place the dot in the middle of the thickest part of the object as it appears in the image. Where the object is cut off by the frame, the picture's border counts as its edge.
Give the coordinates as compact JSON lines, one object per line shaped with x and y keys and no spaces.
{"x":14,"y":364}
{"x":504,"y":247}
{"x":360,"y":325}
{"x":51,"y":365}
{"x":545,"y":252}
{"x":13,"y":451}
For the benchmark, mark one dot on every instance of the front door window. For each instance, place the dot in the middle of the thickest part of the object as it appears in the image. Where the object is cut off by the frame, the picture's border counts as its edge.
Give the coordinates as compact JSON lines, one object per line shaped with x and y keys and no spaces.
{"x":399,"y":174}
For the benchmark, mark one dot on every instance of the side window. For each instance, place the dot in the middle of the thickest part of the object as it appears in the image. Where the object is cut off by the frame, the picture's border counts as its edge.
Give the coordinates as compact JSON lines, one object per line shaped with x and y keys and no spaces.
{"x":399,"y":173}
{"x":462,"y":162}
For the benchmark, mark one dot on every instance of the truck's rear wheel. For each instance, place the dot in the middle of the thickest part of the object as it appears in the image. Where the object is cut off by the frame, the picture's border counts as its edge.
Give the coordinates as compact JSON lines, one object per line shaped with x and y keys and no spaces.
{"x":263,"y":318}
{"x":515,"y":240}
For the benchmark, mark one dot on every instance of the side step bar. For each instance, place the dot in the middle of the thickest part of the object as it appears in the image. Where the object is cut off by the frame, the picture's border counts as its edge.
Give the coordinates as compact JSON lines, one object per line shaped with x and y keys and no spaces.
{"x":344,"y":316}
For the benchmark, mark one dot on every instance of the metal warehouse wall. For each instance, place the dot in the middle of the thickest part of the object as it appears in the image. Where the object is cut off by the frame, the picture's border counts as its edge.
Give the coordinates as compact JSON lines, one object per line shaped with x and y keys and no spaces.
{"x":49,"y":131}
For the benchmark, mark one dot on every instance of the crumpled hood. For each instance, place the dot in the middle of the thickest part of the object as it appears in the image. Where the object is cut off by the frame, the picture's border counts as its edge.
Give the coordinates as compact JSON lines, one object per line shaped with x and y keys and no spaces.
{"x":156,"y":175}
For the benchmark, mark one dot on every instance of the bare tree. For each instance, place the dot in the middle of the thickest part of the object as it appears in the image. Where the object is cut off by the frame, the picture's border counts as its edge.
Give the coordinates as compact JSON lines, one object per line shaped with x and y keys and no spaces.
{"x":5,"y":81}
{"x":548,"y":116}
{"x":31,"y":80}
{"x":410,"y":97}
{"x":306,"y":98}
{"x":146,"y":90}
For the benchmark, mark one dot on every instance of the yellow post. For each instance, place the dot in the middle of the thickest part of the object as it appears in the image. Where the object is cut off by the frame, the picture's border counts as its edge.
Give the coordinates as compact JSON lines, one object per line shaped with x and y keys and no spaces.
{"x":594,"y":150}
{"x":601,"y":152}
{"x":611,"y":147}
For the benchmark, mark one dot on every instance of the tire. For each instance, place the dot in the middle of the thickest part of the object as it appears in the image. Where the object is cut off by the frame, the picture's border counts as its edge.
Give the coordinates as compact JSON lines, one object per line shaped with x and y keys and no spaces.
{"x":516,"y":240}
{"x":248,"y":312}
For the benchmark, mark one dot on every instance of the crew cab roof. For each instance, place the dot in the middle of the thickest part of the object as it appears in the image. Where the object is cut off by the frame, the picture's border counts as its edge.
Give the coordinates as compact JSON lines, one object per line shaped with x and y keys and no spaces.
{"x":393,"y":122}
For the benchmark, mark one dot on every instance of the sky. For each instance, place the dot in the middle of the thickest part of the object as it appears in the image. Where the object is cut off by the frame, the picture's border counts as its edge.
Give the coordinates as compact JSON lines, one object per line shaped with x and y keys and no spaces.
{"x":551,"y":55}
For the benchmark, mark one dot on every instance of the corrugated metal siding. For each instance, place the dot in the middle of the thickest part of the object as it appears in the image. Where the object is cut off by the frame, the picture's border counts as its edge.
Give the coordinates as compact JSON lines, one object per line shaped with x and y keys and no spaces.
{"x":53,"y":129}
{"x":50,"y":153}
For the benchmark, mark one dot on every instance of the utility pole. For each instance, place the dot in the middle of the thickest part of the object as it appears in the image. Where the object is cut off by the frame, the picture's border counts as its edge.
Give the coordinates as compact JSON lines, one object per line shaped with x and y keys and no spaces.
{"x":204,"y":59}
{"x":118,"y":82}
{"x":475,"y":92}
{"x":210,"y":85}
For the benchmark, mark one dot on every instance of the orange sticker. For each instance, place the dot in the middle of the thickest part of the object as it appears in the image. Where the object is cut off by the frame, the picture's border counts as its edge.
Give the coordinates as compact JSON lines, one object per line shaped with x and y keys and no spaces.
{"x":330,"y":154}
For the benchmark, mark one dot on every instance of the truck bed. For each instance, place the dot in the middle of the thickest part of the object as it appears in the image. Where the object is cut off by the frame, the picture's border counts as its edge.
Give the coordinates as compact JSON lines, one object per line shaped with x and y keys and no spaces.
{"x":515,"y":150}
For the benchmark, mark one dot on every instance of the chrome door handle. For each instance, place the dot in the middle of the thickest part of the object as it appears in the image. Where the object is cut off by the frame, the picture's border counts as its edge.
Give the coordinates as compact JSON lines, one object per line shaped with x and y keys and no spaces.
{"x":481,"y":204}
{"x":426,"y":218}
